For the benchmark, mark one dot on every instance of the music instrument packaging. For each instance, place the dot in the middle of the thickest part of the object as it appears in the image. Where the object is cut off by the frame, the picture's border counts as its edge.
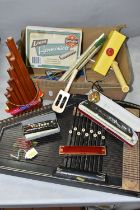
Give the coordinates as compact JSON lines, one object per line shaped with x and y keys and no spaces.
{"x":83,"y":154}
{"x":52,"y":48}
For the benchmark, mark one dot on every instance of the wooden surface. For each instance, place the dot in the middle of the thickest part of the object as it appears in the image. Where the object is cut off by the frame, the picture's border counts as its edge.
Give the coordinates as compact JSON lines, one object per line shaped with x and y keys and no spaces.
{"x":131,"y":165}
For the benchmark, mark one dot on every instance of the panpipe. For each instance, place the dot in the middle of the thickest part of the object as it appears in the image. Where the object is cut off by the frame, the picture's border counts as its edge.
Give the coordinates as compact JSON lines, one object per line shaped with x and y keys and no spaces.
{"x":21,"y":90}
{"x":117,"y":170}
{"x":41,"y":126}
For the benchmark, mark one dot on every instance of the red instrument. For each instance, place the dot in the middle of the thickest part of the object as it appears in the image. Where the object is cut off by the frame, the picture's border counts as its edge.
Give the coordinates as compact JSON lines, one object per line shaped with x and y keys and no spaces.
{"x":82,"y":150}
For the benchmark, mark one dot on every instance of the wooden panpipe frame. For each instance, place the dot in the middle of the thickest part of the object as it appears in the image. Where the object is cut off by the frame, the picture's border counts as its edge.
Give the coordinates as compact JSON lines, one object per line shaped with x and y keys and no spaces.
{"x":21,"y":90}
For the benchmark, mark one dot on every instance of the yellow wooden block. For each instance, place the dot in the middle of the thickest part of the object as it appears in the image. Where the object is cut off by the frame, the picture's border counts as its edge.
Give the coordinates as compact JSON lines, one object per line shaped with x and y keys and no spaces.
{"x":108,"y":52}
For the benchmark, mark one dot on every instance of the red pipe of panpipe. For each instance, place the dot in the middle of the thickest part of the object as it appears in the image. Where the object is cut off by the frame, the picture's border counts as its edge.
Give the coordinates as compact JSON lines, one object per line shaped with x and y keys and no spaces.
{"x":12,"y":84}
{"x":21,"y":78}
{"x":18,"y":62}
{"x":9,"y":102}
{"x":13,"y":63}
{"x":9,"y":105}
{"x":9,"y":97}
{"x":12,"y":92}
{"x":13,"y":75}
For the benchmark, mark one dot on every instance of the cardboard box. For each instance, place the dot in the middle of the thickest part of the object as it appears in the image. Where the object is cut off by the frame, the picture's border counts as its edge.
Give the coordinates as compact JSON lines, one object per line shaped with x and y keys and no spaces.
{"x":110,"y":84}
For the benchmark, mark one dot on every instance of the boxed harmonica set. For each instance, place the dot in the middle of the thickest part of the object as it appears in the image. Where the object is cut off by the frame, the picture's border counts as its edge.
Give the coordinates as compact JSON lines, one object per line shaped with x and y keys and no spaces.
{"x":52,"y":48}
{"x":84,"y":137}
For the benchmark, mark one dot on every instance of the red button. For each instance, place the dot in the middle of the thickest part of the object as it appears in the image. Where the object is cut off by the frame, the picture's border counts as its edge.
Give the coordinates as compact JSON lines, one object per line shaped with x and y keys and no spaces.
{"x":110,"y":51}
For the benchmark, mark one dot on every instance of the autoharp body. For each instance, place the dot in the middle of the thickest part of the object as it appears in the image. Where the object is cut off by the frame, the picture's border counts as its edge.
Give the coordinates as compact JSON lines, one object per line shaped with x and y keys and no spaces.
{"x":116,"y":170}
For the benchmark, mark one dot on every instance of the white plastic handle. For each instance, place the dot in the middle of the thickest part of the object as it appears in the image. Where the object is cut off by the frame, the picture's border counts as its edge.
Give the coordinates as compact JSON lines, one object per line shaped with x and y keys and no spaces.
{"x":73,"y":75}
{"x":120,"y":77}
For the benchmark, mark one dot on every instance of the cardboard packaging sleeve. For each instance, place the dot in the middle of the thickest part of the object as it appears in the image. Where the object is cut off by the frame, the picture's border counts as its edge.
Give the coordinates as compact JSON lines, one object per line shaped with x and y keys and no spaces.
{"x":110,"y":84}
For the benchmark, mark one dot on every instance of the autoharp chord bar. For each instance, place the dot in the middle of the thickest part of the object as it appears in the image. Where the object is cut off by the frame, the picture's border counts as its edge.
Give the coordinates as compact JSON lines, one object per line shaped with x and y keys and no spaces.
{"x":14,"y":51}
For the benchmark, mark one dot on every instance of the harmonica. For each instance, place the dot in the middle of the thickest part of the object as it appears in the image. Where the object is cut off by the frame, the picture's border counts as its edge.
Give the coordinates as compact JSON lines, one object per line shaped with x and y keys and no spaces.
{"x":112,"y":117}
{"x":82,"y":150}
{"x":40,"y":126}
